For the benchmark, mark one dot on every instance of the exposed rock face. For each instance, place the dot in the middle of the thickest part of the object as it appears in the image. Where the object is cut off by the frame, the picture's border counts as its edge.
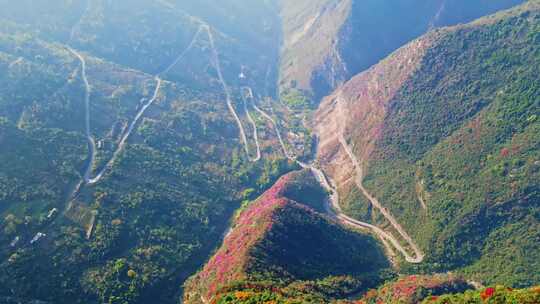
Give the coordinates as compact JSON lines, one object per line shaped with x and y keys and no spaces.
{"x":326,"y":42}
{"x":358,"y":108}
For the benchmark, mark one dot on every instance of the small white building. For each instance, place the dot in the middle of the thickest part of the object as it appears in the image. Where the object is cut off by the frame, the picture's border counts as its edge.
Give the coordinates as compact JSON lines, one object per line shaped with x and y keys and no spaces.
{"x":37,"y":237}
{"x":15,"y":241}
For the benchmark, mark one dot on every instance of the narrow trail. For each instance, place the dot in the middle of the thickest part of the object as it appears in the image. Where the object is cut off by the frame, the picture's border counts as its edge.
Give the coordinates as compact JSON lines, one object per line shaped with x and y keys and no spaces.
{"x":183,"y":54}
{"x":89,"y":137}
{"x":123,"y":140}
{"x":281,"y":142}
{"x":253,"y":125}
{"x":419,"y":255}
{"x":88,"y":180}
{"x":217,"y":65}
{"x":437,"y":16}
{"x":77,"y":25}
{"x":419,"y":189}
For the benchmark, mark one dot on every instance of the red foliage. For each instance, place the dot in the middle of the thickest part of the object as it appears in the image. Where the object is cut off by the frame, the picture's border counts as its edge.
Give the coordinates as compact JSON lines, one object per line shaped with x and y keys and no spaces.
{"x":487,"y":293}
{"x":505,"y":152}
{"x":229,"y":262}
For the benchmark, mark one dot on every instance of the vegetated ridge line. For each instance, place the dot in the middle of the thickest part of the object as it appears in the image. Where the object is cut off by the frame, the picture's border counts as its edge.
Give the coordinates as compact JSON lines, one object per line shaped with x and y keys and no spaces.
{"x":332,"y":207}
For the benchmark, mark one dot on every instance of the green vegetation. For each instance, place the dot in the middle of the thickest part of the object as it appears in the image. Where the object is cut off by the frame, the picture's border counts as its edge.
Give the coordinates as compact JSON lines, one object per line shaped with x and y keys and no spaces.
{"x":490,"y":295}
{"x":157,"y":214}
{"x":414,"y":289}
{"x":295,"y":99}
{"x":281,"y":250}
{"x":464,"y":126}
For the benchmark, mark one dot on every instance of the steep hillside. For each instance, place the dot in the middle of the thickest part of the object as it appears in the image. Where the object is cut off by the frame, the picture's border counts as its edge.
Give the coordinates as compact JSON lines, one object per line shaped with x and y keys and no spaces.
{"x":279,"y":249}
{"x":326,"y":42}
{"x":121,"y":157}
{"x":439,"y":144}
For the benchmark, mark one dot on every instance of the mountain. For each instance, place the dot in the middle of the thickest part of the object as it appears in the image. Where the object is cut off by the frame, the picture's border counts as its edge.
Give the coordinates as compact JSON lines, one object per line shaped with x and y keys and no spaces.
{"x":439,"y":144}
{"x":279,"y":248}
{"x":121,"y":160}
{"x":277,"y":151}
{"x":326,"y":42}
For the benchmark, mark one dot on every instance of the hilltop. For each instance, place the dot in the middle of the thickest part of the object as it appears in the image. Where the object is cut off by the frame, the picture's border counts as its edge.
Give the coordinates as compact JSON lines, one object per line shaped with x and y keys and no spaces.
{"x":279,"y":248}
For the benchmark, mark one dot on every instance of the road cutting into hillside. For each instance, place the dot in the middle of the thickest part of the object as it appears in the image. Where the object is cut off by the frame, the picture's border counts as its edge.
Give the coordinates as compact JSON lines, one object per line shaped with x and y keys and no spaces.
{"x":253,"y":124}
{"x":88,"y":180}
{"x":89,"y":137}
{"x":76,"y":26}
{"x":125,"y":136}
{"x":333,"y":209}
{"x":332,"y":206}
{"x":281,"y":142}
{"x":419,"y":255}
{"x":183,"y":54}
{"x":217,"y":65}
{"x":91,"y":142}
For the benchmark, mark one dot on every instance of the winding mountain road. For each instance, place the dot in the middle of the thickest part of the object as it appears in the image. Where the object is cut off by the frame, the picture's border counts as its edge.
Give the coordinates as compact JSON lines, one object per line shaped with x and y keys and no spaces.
{"x":184,"y":52}
{"x":333,"y":209}
{"x":419,"y":255}
{"x":88,"y":180}
{"x":217,"y":65}
{"x":125,"y":136}
{"x":281,"y":142}
{"x":89,"y":137}
{"x":91,"y":142}
{"x":253,"y":125}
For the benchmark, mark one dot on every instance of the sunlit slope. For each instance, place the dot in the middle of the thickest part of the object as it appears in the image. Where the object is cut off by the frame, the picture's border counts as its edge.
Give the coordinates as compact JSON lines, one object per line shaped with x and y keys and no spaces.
{"x":160,"y":207}
{"x":446,"y":133}
{"x":326,"y":42}
{"x":281,"y":249}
